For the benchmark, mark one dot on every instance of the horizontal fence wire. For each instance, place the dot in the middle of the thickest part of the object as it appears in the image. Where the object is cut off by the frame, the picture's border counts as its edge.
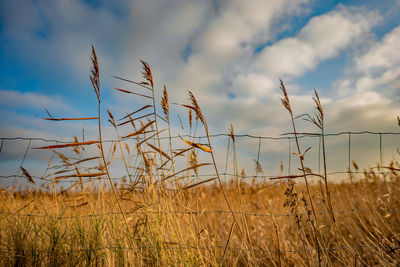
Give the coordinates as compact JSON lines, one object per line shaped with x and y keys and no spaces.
{"x":195,"y":176}
{"x":190,"y":213}
{"x":188,"y":246}
{"x":282,"y":137}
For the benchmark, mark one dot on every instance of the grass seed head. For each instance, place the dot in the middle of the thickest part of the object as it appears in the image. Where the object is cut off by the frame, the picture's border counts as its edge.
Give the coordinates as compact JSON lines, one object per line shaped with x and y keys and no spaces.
{"x":164,"y":103}
{"x":196,"y":107}
{"x":355,"y":165}
{"x":111,"y":119}
{"x":318,"y":105}
{"x":231,"y":133}
{"x":285,"y":99}
{"x":259,"y":168}
{"x":28,"y":176}
{"x":147,"y":75}
{"x":190,"y":118}
{"x":94,"y":73}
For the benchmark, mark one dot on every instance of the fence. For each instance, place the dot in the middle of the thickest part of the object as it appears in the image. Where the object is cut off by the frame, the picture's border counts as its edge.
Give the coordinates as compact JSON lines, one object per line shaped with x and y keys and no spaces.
{"x":350,"y":136}
{"x":348,"y":141}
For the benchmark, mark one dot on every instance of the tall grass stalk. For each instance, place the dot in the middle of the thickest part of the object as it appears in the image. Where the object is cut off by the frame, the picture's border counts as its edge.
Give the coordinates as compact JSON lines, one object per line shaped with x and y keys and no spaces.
{"x":95,"y":78}
{"x":286,"y":103}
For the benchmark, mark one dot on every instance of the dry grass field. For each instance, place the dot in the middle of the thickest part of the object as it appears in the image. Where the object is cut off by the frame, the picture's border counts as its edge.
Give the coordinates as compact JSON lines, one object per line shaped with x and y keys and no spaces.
{"x":195,"y":228}
{"x":158,"y":216}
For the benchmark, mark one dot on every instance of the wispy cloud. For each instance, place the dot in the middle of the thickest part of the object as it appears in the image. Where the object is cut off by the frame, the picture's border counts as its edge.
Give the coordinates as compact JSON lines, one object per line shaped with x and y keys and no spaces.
{"x":12,"y":99}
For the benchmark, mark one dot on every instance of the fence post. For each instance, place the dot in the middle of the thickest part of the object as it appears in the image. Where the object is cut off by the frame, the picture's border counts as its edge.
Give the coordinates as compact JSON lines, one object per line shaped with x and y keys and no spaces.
{"x":257,"y":189}
{"x":290,"y":156}
{"x":382,"y":173}
{"x":2,"y":142}
{"x":221,"y":214}
{"x":352,"y":191}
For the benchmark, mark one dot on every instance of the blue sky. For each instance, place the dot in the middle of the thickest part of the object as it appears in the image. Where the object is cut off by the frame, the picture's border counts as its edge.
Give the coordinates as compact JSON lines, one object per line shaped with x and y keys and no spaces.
{"x":230,"y":53}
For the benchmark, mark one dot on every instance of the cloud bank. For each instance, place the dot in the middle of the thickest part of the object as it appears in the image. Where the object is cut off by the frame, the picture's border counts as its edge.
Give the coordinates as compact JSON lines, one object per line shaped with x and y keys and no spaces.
{"x":231,"y":54}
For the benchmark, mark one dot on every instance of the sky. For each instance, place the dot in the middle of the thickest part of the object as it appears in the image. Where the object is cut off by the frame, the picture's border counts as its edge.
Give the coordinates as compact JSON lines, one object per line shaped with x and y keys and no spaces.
{"x":229,"y":53}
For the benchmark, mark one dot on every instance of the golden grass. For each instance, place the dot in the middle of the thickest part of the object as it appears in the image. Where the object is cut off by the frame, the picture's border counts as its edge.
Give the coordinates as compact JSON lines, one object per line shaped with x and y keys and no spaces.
{"x":193,"y":228}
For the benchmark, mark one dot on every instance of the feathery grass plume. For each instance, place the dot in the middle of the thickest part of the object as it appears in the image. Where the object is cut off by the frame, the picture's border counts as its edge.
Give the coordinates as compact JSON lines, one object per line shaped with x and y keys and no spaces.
{"x":190,"y":119}
{"x":355,"y":165}
{"x":164,"y":103}
{"x":94,"y":73}
{"x":259,"y":168}
{"x":318,"y":105}
{"x":243,"y":173}
{"x":77,"y":149}
{"x":114,"y":148}
{"x":193,"y":161}
{"x":285,"y":99}
{"x":318,"y":118}
{"x":147,"y":75}
{"x":127,"y":148}
{"x":180,"y":122}
{"x":113,"y":123}
{"x":62,"y":157}
{"x":231,"y":133}
{"x":111,"y":119}
{"x":28,"y":176}
{"x":196,"y":107}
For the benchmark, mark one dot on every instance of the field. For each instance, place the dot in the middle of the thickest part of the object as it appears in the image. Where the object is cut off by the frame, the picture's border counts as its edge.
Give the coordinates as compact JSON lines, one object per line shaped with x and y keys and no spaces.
{"x":158,"y":215}
{"x":195,"y":228}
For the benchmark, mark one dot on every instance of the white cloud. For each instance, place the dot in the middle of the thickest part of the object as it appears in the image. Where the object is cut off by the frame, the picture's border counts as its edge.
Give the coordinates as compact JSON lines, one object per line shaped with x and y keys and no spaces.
{"x":240,"y":22}
{"x":369,"y":93}
{"x":322,"y":38}
{"x":227,"y":41}
{"x":383,"y":54}
{"x":290,"y":56}
{"x":16,"y":99}
{"x":256,"y":84}
{"x":378,"y":69}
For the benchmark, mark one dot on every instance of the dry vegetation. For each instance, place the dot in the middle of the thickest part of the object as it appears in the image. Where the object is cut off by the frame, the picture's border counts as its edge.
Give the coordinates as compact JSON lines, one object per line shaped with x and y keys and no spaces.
{"x":158,"y":214}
